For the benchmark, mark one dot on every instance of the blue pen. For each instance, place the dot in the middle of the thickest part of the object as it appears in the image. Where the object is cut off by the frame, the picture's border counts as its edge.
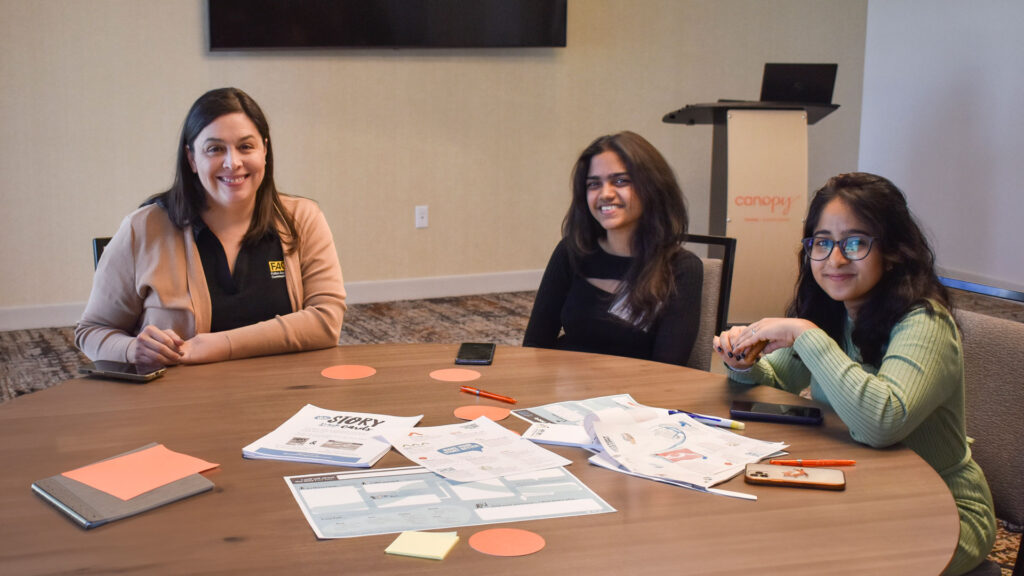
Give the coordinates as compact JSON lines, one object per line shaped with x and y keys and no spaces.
{"x":712,"y":420}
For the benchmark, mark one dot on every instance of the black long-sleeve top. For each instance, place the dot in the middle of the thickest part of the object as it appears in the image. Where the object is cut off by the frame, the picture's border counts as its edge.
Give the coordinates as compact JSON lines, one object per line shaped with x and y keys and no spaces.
{"x":570,"y":313}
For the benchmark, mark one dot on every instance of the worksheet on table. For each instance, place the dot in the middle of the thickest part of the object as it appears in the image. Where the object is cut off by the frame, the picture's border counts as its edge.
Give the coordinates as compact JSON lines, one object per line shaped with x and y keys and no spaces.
{"x":471,"y":451}
{"x":367,"y":502}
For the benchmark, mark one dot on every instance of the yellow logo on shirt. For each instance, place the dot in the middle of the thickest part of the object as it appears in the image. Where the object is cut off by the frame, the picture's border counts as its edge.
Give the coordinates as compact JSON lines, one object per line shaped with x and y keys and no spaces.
{"x":276,"y":268}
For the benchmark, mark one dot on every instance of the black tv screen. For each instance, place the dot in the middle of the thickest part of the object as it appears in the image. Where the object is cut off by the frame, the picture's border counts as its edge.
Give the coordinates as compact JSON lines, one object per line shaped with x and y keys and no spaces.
{"x":267,"y":24}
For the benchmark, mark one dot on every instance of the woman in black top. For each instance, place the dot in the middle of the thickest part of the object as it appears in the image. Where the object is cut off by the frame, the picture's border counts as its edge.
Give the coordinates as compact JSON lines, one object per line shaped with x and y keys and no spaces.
{"x":620,"y":281}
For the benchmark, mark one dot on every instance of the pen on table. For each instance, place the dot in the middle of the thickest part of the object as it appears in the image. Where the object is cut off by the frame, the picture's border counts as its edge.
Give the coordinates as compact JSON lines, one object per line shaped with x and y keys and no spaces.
{"x":486,"y":394}
{"x":713,"y":420}
{"x":812,"y":463}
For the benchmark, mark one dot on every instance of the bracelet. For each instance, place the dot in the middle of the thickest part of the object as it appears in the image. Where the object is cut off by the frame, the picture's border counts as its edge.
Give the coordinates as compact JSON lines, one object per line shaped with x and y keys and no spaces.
{"x":739,"y":370}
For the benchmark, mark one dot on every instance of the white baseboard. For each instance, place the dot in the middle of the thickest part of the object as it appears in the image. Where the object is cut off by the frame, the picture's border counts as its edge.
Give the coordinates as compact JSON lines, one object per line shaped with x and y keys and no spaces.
{"x":27,"y":317}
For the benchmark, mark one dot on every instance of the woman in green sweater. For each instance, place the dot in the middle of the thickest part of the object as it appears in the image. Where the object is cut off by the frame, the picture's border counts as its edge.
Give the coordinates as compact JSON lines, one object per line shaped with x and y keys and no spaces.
{"x":870,"y":331}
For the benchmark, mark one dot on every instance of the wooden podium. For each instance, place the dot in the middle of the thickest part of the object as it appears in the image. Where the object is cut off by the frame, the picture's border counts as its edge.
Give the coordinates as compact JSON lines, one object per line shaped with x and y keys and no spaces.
{"x":758,"y":194}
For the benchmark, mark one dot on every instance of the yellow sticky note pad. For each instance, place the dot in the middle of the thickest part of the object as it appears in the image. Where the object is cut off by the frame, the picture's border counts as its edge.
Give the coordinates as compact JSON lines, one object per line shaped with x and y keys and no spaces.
{"x":433,"y":545}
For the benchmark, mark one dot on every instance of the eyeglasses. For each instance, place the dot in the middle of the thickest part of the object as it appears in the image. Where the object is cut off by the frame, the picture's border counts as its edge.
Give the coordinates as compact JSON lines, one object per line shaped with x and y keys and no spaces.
{"x":853,"y":247}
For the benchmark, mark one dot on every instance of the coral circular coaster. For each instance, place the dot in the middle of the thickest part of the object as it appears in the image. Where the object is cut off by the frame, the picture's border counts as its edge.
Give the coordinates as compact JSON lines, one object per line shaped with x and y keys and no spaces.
{"x":348,"y":372}
{"x":506,"y":542}
{"x":455,"y":375}
{"x":473,"y":412}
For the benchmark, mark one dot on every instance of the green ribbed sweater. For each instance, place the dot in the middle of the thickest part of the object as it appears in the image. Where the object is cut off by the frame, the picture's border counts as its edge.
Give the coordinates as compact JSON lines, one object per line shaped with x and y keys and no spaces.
{"x":915,"y":397}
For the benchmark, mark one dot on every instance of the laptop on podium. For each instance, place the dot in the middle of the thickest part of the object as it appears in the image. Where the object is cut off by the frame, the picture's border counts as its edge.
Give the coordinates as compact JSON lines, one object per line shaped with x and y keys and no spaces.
{"x":783,"y":87}
{"x":798,"y":83}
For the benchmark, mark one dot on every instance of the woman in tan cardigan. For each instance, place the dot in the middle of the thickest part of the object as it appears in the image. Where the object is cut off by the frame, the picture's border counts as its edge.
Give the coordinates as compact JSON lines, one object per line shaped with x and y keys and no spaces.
{"x":221,"y":266}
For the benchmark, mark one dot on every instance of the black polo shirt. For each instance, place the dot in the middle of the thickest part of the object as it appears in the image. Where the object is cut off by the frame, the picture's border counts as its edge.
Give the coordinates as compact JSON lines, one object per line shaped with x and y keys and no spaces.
{"x":256,"y":291}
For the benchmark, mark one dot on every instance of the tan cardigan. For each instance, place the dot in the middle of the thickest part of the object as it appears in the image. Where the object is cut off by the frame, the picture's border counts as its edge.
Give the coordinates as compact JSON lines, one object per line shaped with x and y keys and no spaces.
{"x":151,"y":273}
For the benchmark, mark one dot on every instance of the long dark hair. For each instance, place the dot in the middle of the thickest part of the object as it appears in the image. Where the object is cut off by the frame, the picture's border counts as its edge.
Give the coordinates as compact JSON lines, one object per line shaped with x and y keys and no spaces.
{"x":909,"y":280}
{"x":186,"y":199}
{"x":659,"y":234}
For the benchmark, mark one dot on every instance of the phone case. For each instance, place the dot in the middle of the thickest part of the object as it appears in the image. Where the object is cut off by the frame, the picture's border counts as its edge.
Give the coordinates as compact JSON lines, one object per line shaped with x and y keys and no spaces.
{"x":119,"y":375}
{"x":795,"y":476}
{"x":743,"y":414}
{"x":475,"y":353}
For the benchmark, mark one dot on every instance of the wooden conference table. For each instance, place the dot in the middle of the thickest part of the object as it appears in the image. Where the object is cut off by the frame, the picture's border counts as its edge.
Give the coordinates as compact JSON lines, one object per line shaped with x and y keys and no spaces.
{"x":895,"y":516}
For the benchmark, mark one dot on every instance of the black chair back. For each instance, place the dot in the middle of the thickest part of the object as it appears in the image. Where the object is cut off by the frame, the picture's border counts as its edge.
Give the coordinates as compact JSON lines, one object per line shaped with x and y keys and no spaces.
{"x":98,"y":244}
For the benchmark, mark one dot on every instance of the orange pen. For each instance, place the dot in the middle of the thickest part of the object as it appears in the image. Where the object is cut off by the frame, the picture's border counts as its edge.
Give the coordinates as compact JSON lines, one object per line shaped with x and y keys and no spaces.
{"x":813,"y":463}
{"x":486,"y":394}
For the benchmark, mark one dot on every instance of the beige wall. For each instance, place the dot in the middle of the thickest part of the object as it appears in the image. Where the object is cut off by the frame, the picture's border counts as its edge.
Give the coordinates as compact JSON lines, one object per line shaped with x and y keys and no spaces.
{"x":93,"y":95}
{"x":943,"y":120}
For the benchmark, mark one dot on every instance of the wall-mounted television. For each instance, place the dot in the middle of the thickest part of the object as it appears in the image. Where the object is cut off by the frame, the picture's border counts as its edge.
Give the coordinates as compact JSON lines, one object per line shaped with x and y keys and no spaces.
{"x":275,"y":24}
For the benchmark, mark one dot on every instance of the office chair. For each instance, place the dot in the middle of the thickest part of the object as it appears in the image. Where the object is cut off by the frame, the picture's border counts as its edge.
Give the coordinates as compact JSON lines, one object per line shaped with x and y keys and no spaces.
{"x":714,"y":305}
{"x":994,"y":382}
{"x":98,"y":244}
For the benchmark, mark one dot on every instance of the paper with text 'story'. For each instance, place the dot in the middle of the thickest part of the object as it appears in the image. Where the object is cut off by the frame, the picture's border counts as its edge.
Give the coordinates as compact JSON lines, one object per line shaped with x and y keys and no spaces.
{"x":337,"y":438}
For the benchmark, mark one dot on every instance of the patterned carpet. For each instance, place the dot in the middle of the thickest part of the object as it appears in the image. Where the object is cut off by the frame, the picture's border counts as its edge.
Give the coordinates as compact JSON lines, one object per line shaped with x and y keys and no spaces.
{"x":32,"y":360}
{"x":499,"y":318}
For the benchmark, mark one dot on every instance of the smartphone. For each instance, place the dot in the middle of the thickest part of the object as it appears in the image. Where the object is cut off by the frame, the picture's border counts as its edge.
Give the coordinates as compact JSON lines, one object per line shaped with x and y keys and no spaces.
{"x":123,"y":371}
{"x":795,"y":476}
{"x":479,"y":353}
{"x":769,"y":412}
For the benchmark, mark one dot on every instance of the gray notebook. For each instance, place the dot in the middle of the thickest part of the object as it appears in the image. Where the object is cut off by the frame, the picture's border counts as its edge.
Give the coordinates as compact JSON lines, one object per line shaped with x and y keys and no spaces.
{"x":90,"y":507}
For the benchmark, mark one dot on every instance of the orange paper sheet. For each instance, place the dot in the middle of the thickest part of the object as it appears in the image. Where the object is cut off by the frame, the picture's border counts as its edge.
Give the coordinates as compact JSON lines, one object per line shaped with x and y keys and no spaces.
{"x":507,"y":542}
{"x":455,"y":375}
{"x":132,"y":474}
{"x":348,"y":372}
{"x":472,"y":412}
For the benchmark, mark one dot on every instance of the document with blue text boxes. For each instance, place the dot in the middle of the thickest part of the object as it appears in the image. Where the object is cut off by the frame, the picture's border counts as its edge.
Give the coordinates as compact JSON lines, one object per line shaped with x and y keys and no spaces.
{"x":367,"y":502}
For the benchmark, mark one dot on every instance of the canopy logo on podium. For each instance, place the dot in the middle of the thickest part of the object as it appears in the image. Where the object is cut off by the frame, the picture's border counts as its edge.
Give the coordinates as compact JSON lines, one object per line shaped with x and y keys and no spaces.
{"x":766,"y":208}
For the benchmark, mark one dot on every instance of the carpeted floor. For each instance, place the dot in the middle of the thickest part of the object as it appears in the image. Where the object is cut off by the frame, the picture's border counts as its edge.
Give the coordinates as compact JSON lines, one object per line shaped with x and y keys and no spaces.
{"x":499,"y":318}
{"x":31,"y":360}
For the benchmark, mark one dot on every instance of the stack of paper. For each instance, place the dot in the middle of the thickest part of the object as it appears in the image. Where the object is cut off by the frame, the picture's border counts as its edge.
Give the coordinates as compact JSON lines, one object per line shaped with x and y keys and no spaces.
{"x":678,"y":449}
{"x":648,"y":442}
{"x":432,"y":545}
{"x":473,"y":451}
{"x":561,"y":423}
{"x":320,"y":436}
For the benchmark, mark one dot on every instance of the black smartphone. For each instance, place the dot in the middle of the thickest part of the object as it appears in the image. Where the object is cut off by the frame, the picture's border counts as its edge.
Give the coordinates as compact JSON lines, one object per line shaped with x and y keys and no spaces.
{"x":479,"y":353}
{"x":123,"y":371}
{"x":770,"y":412}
